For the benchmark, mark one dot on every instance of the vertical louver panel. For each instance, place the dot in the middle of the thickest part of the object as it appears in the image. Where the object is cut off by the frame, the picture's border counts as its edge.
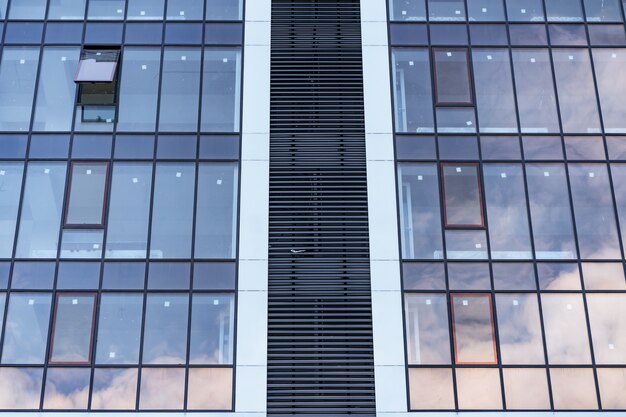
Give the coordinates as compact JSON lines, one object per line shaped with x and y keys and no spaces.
{"x":320,"y":356}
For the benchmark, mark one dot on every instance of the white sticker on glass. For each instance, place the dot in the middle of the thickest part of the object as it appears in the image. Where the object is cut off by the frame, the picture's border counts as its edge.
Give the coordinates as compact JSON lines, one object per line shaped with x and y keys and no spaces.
{"x":63,"y":58}
{"x":515,"y":302}
{"x":428,"y":302}
{"x":419,"y":178}
{"x":2,"y":172}
{"x":489,"y":57}
{"x":478,"y":246}
{"x":111,"y":355}
{"x":216,"y":302}
{"x":484,"y":10}
{"x":403,"y":12}
{"x":591,"y":175}
{"x":219,"y":182}
{"x":143,"y":12}
{"x":465,"y":302}
{"x":503,"y":174}
{"x":611,"y":346}
{"x":31,"y":302}
{"x":532,"y":60}
{"x":46,"y":171}
{"x":546,"y":174}
{"x":135,"y":180}
{"x":449,"y":53}
{"x":96,"y":246}
{"x":411,"y":63}
{"x":75,"y":301}
{"x":144,"y":67}
{"x":523,"y":11}
{"x":183,"y":58}
{"x":22,"y":61}
{"x":179,"y":174}
{"x":166,"y":304}
{"x":569,"y":307}
{"x":224,"y":60}
{"x":182,"y":13}
{"x":458,"y":169}
{"x":88,"y":172}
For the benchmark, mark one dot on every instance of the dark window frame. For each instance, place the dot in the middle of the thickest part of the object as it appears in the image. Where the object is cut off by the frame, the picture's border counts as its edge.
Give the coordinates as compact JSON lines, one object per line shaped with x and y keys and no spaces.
{"x":491,"y":318}
{"x":470,"y":83}
{"x":105,"y":193}
{"x":94,"y":295}
{"x":448,"y":225}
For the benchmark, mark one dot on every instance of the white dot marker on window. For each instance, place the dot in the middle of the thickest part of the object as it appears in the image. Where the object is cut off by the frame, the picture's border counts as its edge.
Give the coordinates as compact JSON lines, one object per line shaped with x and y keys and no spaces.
{"x":478,"y":246}
{"x":166,"y":304}
{"x":111,"y":355}
{"x":571,"y":57}
{"x":532,"y":60}
{"x":569,"y":307}
{"x":46,"y":171}
{"x":403,"y":12}
{"x":515,"y":302}
{"x":63,"y":58}
{"x":181,"y":13}
{"x":109,"y":120}
{"x":503,"y":174}
{"x":469,"y":123}
{"x":613,"y":55}
{"x":119,"y":11}
{"x":88,"y":172}
{"x":143,"y":12}
{"x":179,"y":174}
{"x":411,"y":63}
{"x":2,"y":172}
{"x":144,"y":67}
{"x":523,"y":11}
{"x":216,"y":302}
{"x":489,"y":57}
{"x":135,"y":180}
{"x":419,"y":178}
{"x":75,"y":301}
{"x":22,"y":61}
{"x":449,"y":53}
{"x":591,"y":175}
{"x":183,"y":58}
{"x":31,"y":302}
{"x":224,"y":60}
{"x":465,"y":302}
{"x":458,"y":169}
{"x":457,"y":12}
{"x":98,"y":53}
{"x":428,"y":302}
{"x":546,"y":174}
{"x":611,"y":346}
{"x":96,"y":246}
{"x":484,"y":10}
{"x":219,"y":182}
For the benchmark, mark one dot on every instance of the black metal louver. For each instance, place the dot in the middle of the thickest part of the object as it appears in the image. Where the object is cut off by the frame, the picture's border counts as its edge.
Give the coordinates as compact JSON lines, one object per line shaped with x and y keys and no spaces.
{"x":320,"y":353}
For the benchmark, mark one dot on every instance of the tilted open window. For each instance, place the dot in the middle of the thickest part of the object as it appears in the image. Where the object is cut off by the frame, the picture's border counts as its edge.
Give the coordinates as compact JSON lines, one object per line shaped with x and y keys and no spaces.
{"x":97,"y":84}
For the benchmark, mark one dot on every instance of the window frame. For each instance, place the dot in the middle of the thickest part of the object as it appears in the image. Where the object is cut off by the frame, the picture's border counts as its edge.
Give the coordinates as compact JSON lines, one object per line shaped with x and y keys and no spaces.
{"x":94,"y":295}
{"x":470,"y":84}
{"x":448,"y":225}
{"x":105,"y":193}
{"x":85,"y":51}
{"x":493,"y":327}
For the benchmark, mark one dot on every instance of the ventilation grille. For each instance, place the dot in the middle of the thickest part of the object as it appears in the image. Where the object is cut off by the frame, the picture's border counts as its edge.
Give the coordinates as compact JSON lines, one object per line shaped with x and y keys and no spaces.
{"x":320,"y":354}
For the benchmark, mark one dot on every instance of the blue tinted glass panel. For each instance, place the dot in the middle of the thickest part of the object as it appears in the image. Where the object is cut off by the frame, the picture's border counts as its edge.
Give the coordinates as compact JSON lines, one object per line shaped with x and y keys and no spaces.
{"x":566,"y":35}
{"x":13,"y":146}
{"x":95,"y":147}
{"x":26,"y":33}
{"x":143,"y":33}
{"x":18,"y":71}
{"x":5,"y":268}
{"x":221,"y":90}
{"x":169,"y":275}
{"x":528,"y":35}
{"x":180,"y":85}
{"x":223,"y":34}
{"x":10,"y":189}
{"x":106,"y":9}
{"x":104,"y":33}
{"x":525,"y":10}
{"x":607,"y":35}
{"x":134,"y":147}
{"x":49,"y":146}
{"x":213,"y":275}
{"x":78,"y":275}
{"x":448,"y":34}
{"x":66,"y":9}
{"x":183,"y":34}
{"x":564,"y":11}
{"x":124,"y":275}
{"x":485,"y":10}
{"x":609,"y":65}
{"x":177,"y":147}
{"x":407,"y":10}
{"x":219,"y":147}
{"x":223,"y":9}
{"x":603,"y":11}
{"x":119,"y":329}
{"x":145,"y":9}
{"x":488,"y":35}
{"x":412,"y":91}
{"x":33,"y":275}
{"x":185,"y":10}
{"x":446,"y":10}
{"x":64,"y":32}
{"x":28,"y":9}
{"x":212,"y":329}
{"x":165,"y":331}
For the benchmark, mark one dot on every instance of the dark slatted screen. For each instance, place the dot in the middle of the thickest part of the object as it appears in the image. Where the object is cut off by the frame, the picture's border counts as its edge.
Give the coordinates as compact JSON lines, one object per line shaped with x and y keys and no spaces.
{"x":320,"y":355}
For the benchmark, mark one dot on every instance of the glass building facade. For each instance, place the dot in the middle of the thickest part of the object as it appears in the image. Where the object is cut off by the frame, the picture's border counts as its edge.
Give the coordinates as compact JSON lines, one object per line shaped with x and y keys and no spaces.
{"x":509,"y":142}
{"x":119,"y":185}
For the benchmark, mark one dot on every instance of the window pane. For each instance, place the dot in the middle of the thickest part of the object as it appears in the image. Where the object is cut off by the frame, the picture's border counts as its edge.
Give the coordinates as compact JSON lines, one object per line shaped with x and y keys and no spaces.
{"x":210,"y":389}
{"x":185,"y":10}
{"x":566,"y":329}
{"x":119,"y":329}
{"x":162,"y":389}
{"x":618,"y":173}
{"x":165,"y":332}
{"x":431,"y":388}
{"x":478,"y":389}
{"x":78,"y":275}
{"x":114,"y":389}
{"x":584,"y":148}
{"x":169,"y":275}
{"x":212,"y":322}
{"x":604,"y":276}
{"x":564,"y":11}
{"x":411,"y":10}
{"x":18,"y":71}
{"x":145,"y":9}
{"x":452,"y":76}
{"x":494,"y":90}
{"x":428,"y":338}
{"x":607,"y":318}
{"x":612,"y":384}
{"x":519,"y":329}
{"x":446,"y":10}
{"x":558,"y":276}
{"x":593,"y":208}
{"x":41,"y":210}
{"x":573,"y":389}
{"x":466,"y":244}
{"x":513,"y":276}
{"x":216,"y":220}
{"x":22,"y":386}
{"x":412,"y":91}
{"x":76,"y":244}
{"x":138,"y":89}
{"x":506,"y":210}
{"x":3,"y":10}
{"x":10,"y":190}
{"x":72,"y":329}
{"x":106,"y":9}
{"x":472,"y":324}
{"x":609,"y":65}
{"x":180,"y":86}
{"x":485,"y":10}
{"x":28,"y":9}
{"x":127,"y":233}
{"x":26,"y":330}
{"x":420,"y":215}
{"x":172,"y":212}
{"x":603,"y":11}
{"x":56,"y":91}
{"x":550,"y":211}
{"x":524,"y":10}
{"x":469,"y":276}
{"x":577,"y":98}
{"x":67,"y":388}
{"x":535,"y":93}
{"x":462,"y":195}
{"x":423,"y":276}
{"x":223,"y":10}
{"x":87,"y":194}
{"x":221,"y":83}
{"x":526,"y":389}
{"x":67,"y":9}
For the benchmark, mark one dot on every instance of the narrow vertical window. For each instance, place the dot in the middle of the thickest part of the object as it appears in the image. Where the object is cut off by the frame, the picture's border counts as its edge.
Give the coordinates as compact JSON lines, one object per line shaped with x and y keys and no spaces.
{"x":519,"y":329}
{"x":18,"y":71}
{"x":119,"y":329}
{"x":97,"y":85}
{"x":462,"y":195}
{"x":212,"y":329}
{"x":412,"y":91}
{"x":180,"y":88}
{"x":10,"y":189}
{"x":165,"y":329}
{"x":87,"y":194}
{"x":221,"y":90}
{"x":72,"y":329}
{"x":428,"y":337}
{"x":609,"y":66}
{"x":26,"y":329}
{"x":452,"y":76}
{"x":566,"y":329}
{"x":472,"y":325}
